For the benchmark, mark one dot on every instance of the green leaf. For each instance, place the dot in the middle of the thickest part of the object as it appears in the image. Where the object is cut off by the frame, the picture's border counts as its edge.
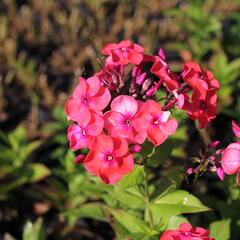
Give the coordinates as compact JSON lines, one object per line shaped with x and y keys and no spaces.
{"x":162,"y":152}
{"x":129,"y":221}
{"x":220,"y":230}
{"x":91,"y":210}
{"x":175,"y":221}
{"x":176,"y":203}
{"x":36,"y":172}
{"x":34,"y":231}
{"x":134,"y":178}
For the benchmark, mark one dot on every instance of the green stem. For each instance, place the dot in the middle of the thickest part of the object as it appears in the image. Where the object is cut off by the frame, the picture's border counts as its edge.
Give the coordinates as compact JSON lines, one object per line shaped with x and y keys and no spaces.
{"x":147,"y":200}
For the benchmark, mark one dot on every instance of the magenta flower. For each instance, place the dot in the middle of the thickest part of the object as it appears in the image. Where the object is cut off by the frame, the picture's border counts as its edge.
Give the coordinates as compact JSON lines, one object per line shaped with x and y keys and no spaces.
{"x":109,"y":159}
{"x":123,"y":53}
{"x":124,"y":121}
{"x":159,"y":124}
{"x":81,"y":135}
{"x":231,"y":160}
{"x":186,"y":232}
{"x":88,"y":95}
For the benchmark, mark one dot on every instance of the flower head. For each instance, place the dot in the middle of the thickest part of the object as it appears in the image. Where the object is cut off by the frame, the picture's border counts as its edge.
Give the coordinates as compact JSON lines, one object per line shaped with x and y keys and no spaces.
{"x":123,"y":53}
{"x":186,"y":232}
{"x":109,"y":159}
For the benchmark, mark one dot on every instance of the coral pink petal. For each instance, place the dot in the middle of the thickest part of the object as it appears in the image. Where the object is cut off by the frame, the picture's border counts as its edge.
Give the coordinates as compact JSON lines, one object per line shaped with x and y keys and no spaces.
{"x":95,"y":126}
{"x":93,"y":86}
{"x":78,"y":141}
{"x":108,"y":174}
{"x":124,"y":104}
{"x":152,"y":106}
{"x":107,"y":48}
{"x":142,"y":121}
{"x":168,"y":235}
{"x":125,"y":164}
{"x":138,"y":48}
{"x":192,"y":65}
{"x":103,"y":143}
{"x":200,"y":231}
{"x":120,"y":146}
{"x":135,"y":58}
{"x":93,"y":162}
{"x":231,"y":160}
{"x":122,"y":132}
{"x":236,"y":129}
{"x":100,"y":100}
{"x":124,"y":44}
{"x":139,"y":138}
{"x":80,"y":89}
{"x":76,"y":111}
{"x":156,"y":136}
{"x":169,"y":127}
{"x":112,"y":119}
{"x":186,"y":227}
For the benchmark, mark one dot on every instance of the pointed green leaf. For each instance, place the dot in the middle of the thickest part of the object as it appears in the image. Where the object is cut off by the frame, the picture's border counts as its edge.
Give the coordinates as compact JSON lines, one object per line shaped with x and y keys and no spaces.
{"x":220,"y":230}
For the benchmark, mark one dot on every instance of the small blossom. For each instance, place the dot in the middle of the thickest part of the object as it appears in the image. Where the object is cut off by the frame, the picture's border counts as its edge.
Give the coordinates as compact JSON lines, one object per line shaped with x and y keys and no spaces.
{"x":136,"y":148}
{"x":109,"y":159}
{"x":88,"y":96}
{"x":186,"y":232}
{"x":123,"y":53}
{"x":189,"y":170}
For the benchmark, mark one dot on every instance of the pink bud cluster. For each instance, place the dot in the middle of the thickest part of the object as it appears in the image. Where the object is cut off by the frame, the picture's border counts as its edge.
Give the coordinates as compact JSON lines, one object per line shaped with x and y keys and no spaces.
{"x":112,"y":110}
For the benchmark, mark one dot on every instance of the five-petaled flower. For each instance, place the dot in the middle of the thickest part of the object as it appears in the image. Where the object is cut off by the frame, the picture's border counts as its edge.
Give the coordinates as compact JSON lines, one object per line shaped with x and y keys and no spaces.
{"x":109,"y":159}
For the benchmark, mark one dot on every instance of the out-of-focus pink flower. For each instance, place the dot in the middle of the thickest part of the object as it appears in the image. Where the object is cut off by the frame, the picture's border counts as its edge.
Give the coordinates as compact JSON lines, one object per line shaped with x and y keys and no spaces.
{"x":109,"y":159}
{"x":202,"y":109}
{"x":122,"y":122}
{"x":236,"y":129}
{"x":159,"y":124}
{"x":198,"y":79}
{"x":231,"y":160}
{"x":186,"y":232}
{"x":80,"y":136}
{"x":214,"y":144}
{"x":189,"y":171}
{"x":88,"y":96}
{"x":123,"y":53}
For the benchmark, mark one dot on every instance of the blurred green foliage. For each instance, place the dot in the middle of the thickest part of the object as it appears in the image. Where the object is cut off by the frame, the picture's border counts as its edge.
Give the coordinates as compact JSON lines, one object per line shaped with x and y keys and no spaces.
{"x":45,"y":46}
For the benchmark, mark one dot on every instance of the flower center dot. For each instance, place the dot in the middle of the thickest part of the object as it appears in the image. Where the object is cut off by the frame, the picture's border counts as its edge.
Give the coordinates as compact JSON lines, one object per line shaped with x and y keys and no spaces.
{"x":128,"y":122}
{"x":84,"y":132}
{"x":85,"y":100}
{"x":124,"y":49}
{"x":109,"y":157}
{"x":156,"y":122}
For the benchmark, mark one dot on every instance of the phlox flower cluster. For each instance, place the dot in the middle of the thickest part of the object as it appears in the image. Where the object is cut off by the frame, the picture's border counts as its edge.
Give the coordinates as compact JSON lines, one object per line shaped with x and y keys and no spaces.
{"x":115,"y":109}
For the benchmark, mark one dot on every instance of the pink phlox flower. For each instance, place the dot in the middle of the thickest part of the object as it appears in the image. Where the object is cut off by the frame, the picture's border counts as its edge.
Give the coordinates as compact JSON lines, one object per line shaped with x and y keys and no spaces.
{"x":186,"y":232}
{"x":81,"y":135}
{"x":236,"y":129}
{"x":231,"y":160}
{"x":124,"y":120}
{"x":201,"y":81}
{"x":109,"y":159}
{"x":123,"y":53}
{"x":202,"y":108}
{"x":160,"y":126}
{"x":88,"y":96}
{"x":162,"y":70}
